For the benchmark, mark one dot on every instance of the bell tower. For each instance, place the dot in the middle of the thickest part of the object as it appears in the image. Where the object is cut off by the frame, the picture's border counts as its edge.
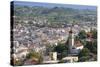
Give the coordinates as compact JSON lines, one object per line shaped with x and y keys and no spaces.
{"x":70,"y":40}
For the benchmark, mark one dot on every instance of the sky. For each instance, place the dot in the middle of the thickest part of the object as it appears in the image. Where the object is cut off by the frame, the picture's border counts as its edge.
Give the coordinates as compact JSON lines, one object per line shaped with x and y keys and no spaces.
{"x":54,"y":5}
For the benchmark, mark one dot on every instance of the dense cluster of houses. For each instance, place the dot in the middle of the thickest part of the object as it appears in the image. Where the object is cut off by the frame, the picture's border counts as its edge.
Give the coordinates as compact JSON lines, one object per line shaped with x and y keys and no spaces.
{"x":28,"y":37}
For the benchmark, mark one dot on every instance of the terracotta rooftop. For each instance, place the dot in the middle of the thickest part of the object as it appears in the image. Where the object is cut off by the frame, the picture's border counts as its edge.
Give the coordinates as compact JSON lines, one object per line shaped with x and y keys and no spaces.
{"x":89,"y":34}
{"x":78,"y":43}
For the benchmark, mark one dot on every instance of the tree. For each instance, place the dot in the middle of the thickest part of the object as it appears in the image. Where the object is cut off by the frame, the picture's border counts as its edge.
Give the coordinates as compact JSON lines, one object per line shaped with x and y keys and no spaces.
{"x":84,"y":54}
{"x":62,"y":50}
{"x":94,"y":33}
{"x":18,"y":62}
{"x":77,"y":38}
{"x":82,"y":34}
{"x":36,"y":55}
{"x":92,"y":46}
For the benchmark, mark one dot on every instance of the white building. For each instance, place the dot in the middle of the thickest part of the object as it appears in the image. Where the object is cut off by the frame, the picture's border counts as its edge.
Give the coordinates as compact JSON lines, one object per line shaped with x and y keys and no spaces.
{"x":70,"y":59}
{"x":51,"y":59}
{"x":20,"y":52}
{"x":53,"y":56}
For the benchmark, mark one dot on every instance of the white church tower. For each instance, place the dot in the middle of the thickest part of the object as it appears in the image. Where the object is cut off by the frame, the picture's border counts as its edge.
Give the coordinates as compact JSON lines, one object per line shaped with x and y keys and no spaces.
{"x":71,"y":40}
{"x":73,"y":48}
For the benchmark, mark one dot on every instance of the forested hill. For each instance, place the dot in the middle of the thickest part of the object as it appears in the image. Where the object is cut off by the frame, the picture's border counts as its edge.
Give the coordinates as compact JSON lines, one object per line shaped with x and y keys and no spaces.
{"x":54,"y":14}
